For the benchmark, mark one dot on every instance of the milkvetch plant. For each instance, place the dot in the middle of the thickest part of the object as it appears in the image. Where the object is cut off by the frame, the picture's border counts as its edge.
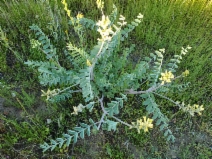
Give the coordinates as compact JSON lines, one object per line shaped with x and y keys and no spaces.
{"x":103,"y":77}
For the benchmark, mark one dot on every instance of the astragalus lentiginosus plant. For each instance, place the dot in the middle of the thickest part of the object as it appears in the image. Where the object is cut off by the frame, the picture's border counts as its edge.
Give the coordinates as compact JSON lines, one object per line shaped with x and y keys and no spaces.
{"x":102,"y":73}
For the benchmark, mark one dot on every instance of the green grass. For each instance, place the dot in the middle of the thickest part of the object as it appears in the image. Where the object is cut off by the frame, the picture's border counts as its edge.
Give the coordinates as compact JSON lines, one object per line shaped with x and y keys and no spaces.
{"x":166,"y":24}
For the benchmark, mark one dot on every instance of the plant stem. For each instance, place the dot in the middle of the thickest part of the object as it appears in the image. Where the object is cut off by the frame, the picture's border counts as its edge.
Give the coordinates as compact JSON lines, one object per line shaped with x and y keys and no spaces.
{"x":121,"y":121}
{"x":104,"y":112}
{"x":101,"y":120}
{"x":94,"y":63}
{"x":166,"y":98}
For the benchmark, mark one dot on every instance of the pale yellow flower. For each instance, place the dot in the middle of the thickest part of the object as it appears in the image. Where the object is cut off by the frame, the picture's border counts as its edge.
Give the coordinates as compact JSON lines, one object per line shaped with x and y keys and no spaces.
{"x":198,"y":109}
{"x":104,"y":29}
{"x":104,"y":23}
{"x":35,"y":43}
{"x":185,"y":50}
{"x":66,"y":8}
{"x":80,"y":15}
{"x":166,"y":77}
{"x":144,"y":124}
{"x":189,"y":47}
{"x":66,"y":31}
{"x":88,"y":63}
{"x":186,"y":73}
{"x":78,"y":109}
{"x":100,"y":4}
{"x":201,"y":108}
{"x":68,"y":13}
{"x":192,"y":109}
{"x":75,"y":110}
{"x":50,"y":93}
{"x":140,"y":16}
{"x":162,"y":50}
{"x":147,"y":123}
{"x":105,"y":34}
{"x":124,"y":23}
{"x":122,"y":18}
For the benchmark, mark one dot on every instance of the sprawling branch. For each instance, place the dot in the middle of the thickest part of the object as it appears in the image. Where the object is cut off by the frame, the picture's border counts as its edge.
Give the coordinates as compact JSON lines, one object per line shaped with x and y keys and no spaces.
{"x":166,"y":98}
{"x":151,"y":89}
{"x":104,"y":112}
{"x":121,"y":121}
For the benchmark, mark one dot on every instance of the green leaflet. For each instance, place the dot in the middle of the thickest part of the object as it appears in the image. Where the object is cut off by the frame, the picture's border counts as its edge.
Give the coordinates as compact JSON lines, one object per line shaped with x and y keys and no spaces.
{"x":48,"y":49}
{"x":113,"y":106}
{"x":88,"y":23}
{"x":67,"y":138}
{"x":90,"y":106}
{"x":61,"y":142}
{"x":84,"y":81}
{"x":113,"y":14}
{"x":79,"y":55}
{"x":45,"y":146}
{"x":152,"y":108}
{"x":110,"y":125}
{"x":156,"y":68}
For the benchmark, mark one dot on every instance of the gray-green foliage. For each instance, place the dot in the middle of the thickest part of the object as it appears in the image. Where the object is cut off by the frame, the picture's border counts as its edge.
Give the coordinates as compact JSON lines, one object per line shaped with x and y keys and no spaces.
{"x":71,"y":135}
{"x":161,"y":119}
{"x":104,"y":71}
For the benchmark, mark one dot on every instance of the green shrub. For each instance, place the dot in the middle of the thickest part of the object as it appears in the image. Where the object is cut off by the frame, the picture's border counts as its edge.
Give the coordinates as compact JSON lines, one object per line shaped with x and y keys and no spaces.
{"x":105,"y":75}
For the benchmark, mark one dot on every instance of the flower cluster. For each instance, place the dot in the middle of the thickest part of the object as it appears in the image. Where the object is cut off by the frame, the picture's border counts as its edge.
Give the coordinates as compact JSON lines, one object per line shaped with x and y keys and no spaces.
{"x":122,"y":18}
{"x":66,"y":31}
{"x":185,"y":50}
{"x":104,"y":28}
{"x":140,"y":16}
{"x":79,"y":16}
{"x":100,"y":4}
{"x":66,"y":8}
{"x":78,"y":109}
{"x":166,"y":77}
{"x":185,"y":73}
{"x":162,"y":50}
{"x":77,"y":26}
{"x":191,"y":109}
{"x":50,"y":93}
{"x":34,"y":43}
{"x":142,"y":124}
{"x":88,"y":63}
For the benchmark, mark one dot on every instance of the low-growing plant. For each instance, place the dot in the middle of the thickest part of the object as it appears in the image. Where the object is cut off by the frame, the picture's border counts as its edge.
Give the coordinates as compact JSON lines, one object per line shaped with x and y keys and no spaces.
{"x":105,"y":75}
